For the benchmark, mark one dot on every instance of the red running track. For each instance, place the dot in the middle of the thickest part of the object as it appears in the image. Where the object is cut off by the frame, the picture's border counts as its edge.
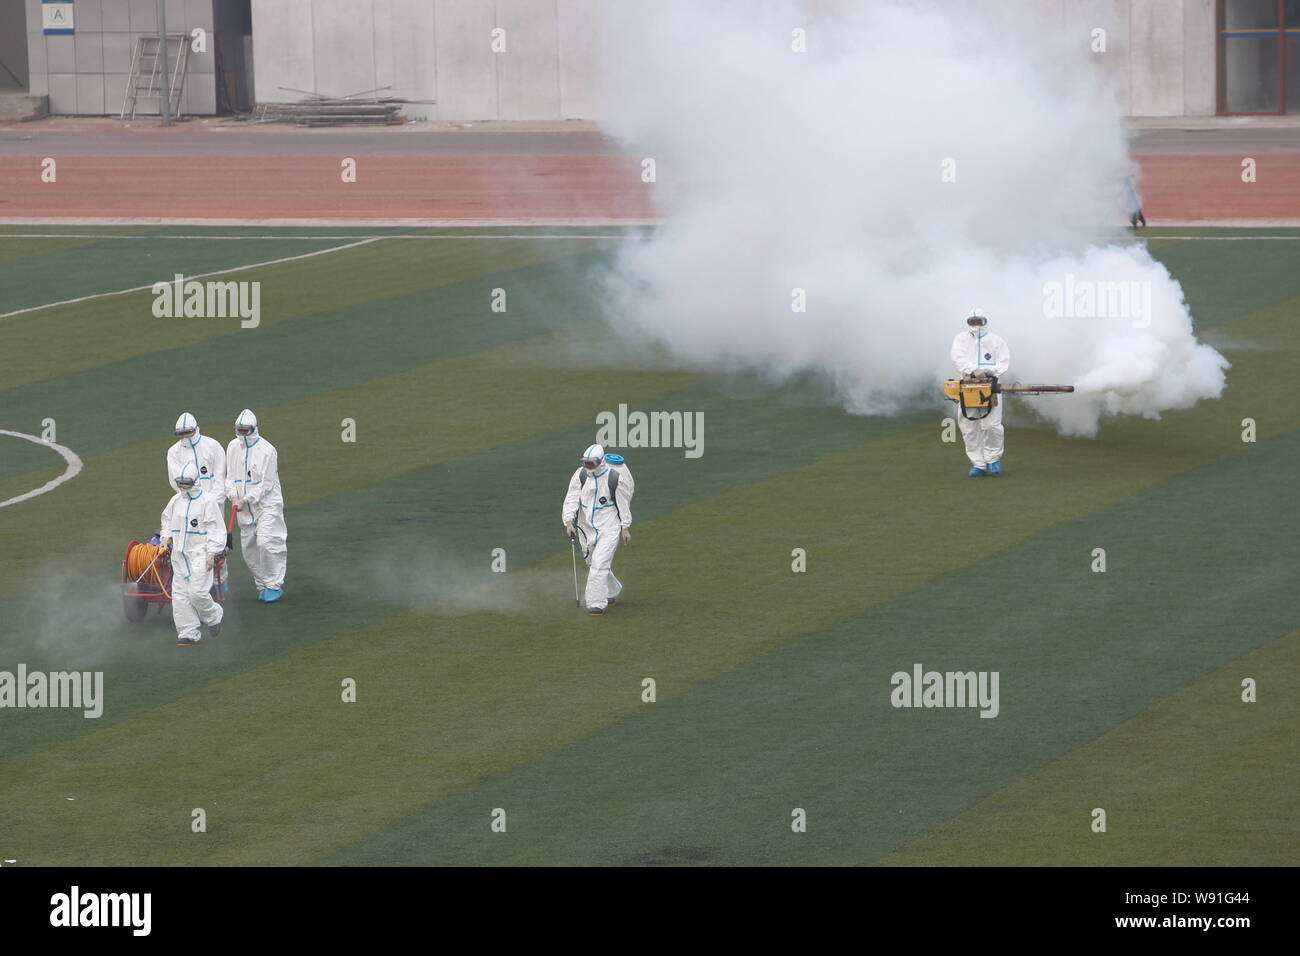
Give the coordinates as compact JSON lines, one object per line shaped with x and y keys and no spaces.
{"x":1174,"y":187}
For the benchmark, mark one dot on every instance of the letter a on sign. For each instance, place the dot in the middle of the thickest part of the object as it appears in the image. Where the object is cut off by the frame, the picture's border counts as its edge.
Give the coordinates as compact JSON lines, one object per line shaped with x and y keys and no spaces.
{"x":56,"y":18}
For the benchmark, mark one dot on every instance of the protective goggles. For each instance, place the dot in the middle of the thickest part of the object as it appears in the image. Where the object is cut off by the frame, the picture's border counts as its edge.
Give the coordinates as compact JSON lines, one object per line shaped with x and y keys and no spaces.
{"x":976,"y":320}
{"x":589,"y":463}
{"x":245,"y":429}
{"x":185,"y":433}
{"x":184,"y":482}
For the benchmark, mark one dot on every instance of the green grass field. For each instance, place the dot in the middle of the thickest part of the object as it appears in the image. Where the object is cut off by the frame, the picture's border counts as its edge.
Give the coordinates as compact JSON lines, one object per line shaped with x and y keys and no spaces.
{"x":479,"y":690}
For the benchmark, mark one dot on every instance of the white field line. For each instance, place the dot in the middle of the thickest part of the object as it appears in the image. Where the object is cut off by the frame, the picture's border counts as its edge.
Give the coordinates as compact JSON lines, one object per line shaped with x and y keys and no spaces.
{"x":202,"y":275}
{"x":535,"y":235}
{"x":326,"y":223}
{"x":323,"y":222}
{"x":1213,"y":238}
{"x":70,"y":456}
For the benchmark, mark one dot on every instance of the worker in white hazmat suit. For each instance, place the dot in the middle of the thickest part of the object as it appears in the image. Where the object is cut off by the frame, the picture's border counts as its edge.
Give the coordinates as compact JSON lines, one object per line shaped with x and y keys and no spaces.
{"x":191,"y":526}
{"x":978,"y":353}
{"x":253,"y":485}
{"x":204,"y":453}
{"x":597,"y":512}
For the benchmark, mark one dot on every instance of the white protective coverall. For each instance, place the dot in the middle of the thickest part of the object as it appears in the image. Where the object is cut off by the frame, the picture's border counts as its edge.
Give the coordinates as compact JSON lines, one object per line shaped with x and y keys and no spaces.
{"x":192,"y":519}
{"x":253,"y":474}
{"x":978,"y":349}
{"x":599,"y":522}
{"x":204,"y":454}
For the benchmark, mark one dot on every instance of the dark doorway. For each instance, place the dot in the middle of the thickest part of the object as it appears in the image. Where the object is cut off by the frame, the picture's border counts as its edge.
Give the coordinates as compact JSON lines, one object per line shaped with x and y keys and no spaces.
{"x":232,"y":26}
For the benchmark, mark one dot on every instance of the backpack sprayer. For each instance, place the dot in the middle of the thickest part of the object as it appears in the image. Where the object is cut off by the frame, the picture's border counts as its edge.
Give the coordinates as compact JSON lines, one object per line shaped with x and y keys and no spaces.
{"x":980,"y":395}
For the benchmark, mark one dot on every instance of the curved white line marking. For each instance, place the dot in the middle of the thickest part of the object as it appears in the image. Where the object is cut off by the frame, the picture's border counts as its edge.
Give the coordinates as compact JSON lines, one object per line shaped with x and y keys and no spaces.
{"x":70,"y":456}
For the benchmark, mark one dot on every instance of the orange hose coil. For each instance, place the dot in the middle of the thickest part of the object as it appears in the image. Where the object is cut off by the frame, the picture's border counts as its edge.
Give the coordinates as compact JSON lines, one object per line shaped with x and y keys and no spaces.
{"x":138,"y":566}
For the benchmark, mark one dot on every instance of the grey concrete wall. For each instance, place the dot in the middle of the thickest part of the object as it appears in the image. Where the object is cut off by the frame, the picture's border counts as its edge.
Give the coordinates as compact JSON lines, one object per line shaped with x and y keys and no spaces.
{"x":433,"y":50}
{"x":1113,"y":17}
{"x":1200,"y":93}
{"x":85,"y":74}
{"x":1156,"y":57}
{"x":13,"y":44}
{"x":578,"y":65}
{"x":283,"y":48}
{"x":466,"y":67}
{"x":1160,"y":53}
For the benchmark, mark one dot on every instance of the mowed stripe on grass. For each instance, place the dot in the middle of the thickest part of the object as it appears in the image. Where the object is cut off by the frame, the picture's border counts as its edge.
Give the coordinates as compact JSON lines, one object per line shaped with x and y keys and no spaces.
{"x":1227,"y":280}
{"x":97,"y":409}
{"x":13,"y":249}
{"x":422,"y":838}
{"x":405,"y":422}
{"x":1201,"y":778}
{"x":362,"y":553}
{"x":713,"y":775}
{"x":846,"y":479}
{"x":452,"y":401}
{"x":433,"y":635}
{"x":37,"y":277}
{"x":293,"y":360}
{"x":450,"y":702}
{"x":383,"y":277}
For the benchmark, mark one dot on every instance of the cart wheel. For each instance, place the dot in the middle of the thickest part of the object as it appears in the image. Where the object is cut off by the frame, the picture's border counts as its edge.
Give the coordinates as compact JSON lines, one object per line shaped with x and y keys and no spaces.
{"x":135,"y":608}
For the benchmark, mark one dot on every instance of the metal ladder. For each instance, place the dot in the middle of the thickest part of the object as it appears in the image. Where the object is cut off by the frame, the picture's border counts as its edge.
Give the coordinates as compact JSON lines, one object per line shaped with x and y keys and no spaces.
{"x":147,"y":64}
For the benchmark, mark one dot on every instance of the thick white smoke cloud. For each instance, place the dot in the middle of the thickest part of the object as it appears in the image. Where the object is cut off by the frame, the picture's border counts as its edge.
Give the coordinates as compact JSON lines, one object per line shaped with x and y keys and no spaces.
{"x":822,"y":171}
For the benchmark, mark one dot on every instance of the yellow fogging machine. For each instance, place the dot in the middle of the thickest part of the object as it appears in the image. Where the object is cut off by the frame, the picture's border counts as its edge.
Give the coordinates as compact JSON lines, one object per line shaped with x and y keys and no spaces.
{"x":978,"y":396}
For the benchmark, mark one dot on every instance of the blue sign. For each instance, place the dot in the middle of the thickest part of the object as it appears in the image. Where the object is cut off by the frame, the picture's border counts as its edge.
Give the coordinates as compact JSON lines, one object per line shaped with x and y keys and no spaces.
{"x":56,"y":17}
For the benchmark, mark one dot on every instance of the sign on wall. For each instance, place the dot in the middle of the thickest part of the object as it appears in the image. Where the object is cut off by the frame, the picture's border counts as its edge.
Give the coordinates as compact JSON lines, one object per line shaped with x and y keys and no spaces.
{"x":56,"y":16}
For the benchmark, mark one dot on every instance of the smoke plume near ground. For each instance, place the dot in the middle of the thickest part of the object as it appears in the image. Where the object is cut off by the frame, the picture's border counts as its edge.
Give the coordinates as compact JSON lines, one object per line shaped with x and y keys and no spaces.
{"x":72,"y":622}
{"x":823,"y":171}
{"x":434,"y":578}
